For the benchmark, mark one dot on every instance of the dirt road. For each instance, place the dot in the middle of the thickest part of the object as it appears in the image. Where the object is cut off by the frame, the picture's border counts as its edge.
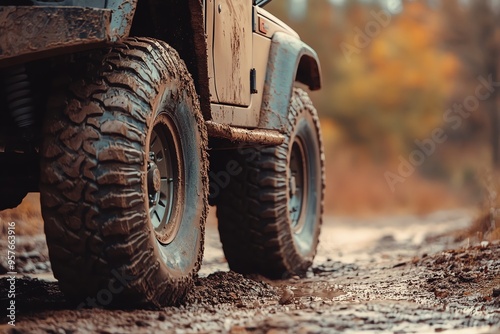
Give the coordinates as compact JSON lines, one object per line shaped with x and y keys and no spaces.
{"x":392,"y":275}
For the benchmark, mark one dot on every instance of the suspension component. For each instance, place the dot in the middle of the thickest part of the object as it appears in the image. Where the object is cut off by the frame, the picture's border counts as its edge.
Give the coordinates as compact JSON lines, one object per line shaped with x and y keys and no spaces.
{"x":20,"y":99}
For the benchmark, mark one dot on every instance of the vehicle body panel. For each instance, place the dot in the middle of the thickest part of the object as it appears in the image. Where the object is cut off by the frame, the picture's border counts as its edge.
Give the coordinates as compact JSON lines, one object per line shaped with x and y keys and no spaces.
{"x":220,"y":65}
{"x":247,"y":116}
{"x":277,"y":68}
{"x":232,"y":51}
{"x":33,"y":32}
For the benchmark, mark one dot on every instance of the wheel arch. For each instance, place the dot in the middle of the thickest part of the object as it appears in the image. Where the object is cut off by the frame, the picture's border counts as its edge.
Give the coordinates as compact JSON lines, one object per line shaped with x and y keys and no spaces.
{"x":180,"y":23}
{"x":308,"y":71}
{"x":290,"y":60}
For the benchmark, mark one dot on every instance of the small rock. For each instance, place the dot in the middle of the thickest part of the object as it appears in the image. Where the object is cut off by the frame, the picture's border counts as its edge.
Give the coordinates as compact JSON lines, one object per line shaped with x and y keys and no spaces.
{"x":29,"y":247}
{"x":41,"y":266}
{"x":400,"y":264}
{"x":441,"y":293}
{"x":286,"y":296}
{"x":496,"y":292}
{"x":29,"y":255}
{"x":388,"y":238}
{"x":141,"y":323}
{"x":467,"y":277}
{"x":28,"y":268}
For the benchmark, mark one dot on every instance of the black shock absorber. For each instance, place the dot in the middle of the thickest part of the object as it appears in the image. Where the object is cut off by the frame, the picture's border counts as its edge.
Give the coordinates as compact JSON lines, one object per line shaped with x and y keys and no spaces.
{"x":20,"y":99}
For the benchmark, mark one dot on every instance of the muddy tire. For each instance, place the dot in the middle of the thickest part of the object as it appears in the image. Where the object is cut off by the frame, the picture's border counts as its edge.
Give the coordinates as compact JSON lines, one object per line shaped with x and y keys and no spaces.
{"x":124,"y":178}
{"x":270,"y":212}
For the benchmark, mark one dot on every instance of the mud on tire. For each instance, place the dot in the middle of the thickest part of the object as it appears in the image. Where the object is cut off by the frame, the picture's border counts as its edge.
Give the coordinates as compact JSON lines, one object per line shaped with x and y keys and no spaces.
{"x":270,"y":213}
{"x":124,"y":177}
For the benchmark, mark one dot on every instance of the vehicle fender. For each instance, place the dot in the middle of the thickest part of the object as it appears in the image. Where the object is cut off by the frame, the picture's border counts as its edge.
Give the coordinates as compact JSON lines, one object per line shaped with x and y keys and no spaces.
{"x":290,"y":61}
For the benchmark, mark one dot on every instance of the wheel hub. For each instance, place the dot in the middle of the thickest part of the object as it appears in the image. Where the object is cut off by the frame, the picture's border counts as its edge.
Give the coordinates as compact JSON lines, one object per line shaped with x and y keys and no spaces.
{"x":293,"y":185}
{"x":162,"y":171}
{"x":297,"y":184}
{"x":154,"y":179}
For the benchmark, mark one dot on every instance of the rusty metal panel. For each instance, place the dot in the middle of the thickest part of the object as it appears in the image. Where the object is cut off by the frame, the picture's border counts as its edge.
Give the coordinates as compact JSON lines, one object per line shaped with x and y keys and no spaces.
{"x":26,"y":31}
{"x":235,"y":134}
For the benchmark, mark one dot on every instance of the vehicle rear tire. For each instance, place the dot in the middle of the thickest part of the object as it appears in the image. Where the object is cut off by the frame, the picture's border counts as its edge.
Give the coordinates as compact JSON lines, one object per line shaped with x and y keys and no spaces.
{"x":124,"y":178}
{"x":270,"y":212}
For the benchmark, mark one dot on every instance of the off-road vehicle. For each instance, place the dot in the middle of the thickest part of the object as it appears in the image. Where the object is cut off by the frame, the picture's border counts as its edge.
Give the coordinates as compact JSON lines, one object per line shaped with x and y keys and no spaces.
{"x":129,"y":116}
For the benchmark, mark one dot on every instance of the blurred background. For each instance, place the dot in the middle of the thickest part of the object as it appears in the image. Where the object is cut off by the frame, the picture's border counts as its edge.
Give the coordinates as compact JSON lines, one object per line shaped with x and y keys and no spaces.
{"x":409,"y":107}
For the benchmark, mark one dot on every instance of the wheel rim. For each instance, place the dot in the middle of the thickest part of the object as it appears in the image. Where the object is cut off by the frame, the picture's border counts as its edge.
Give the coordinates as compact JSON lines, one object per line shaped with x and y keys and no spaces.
{"x":163,"y":188}
{"x":298,"y":187}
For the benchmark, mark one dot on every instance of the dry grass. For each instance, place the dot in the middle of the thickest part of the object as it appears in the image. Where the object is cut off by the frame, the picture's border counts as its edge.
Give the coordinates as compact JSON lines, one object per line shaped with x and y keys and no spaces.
{"x":27,"y":216}
{"x":487,"y":225}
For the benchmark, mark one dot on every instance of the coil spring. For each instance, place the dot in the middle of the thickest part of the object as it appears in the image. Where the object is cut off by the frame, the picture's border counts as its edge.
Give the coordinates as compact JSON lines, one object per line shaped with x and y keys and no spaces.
{"x":19,"y":96}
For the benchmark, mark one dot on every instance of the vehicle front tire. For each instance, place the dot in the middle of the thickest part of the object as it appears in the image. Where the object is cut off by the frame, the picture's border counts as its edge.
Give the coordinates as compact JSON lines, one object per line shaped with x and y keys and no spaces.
{"x":124,"y":178}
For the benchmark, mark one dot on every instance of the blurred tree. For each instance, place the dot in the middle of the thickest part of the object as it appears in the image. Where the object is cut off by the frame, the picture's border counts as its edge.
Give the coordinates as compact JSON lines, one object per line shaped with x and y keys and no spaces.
{"x":386,"y":80}
{"x":473,"y":33}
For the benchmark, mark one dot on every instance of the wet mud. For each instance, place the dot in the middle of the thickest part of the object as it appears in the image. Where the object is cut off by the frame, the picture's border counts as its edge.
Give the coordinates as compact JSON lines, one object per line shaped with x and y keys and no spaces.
{"x":385,"y":279}
{"x":467,"y":277}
